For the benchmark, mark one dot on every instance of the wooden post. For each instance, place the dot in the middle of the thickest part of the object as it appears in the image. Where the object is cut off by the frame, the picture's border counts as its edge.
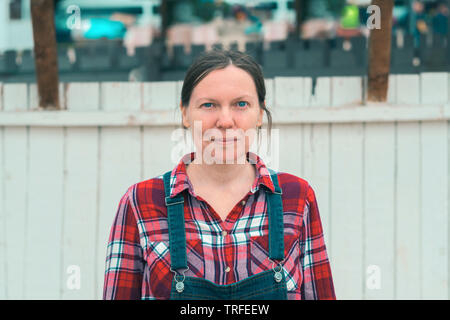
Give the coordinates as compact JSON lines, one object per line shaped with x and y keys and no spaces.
{"x":380,"y":53}
{"x":46,"y":61}
{"x":163,"y":11}
{"x":299,"y":16}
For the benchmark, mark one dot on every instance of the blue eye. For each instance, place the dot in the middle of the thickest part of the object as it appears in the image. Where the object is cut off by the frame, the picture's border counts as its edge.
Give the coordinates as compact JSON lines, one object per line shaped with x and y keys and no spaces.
{"x":208,"y":105}
{"x":242,"y":103}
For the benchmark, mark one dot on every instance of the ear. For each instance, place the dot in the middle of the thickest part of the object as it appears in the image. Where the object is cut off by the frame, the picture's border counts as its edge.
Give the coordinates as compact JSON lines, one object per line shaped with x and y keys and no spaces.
{"x":184,"y":115}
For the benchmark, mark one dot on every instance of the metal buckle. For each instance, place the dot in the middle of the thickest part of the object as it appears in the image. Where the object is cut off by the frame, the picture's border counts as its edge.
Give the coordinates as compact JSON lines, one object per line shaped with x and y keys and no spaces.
{"x":179,"y":286}
{"x":277,"y":273}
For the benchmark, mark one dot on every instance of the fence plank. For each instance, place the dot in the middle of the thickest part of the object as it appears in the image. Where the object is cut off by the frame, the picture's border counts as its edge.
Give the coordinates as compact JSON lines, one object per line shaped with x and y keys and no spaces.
{"x":408,"y":89}
{"x":392,"y":89}
{"x":322,"y":93}
{"x":270,"y":91}
{"x":290,"y":139}
{"x":82,"y":96}
{"x":15,"y":96}
{"x":434,"y":215}
{"x":160,"y":95}
{"x":3,"y":237}
{"x":121,"y":95}
{"x":1,"y":96}
{"x":80,"y":213}
{"x":347,"y":209}
{"x":290,"y":92}
{"x":379,"y":163}
{"x":346,"y":91}
{"x":316,"y":164}
{"x":15,"y":206}
{"x":433,"y":86}
{"x":408,"y":236}
{"x":156,"y":163}
{"x":81,"y":196}
{"x":43,"y":259}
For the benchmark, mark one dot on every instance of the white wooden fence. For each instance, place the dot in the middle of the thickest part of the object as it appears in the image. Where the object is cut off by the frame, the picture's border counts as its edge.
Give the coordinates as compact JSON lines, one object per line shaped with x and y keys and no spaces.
{"x":380,"y":172}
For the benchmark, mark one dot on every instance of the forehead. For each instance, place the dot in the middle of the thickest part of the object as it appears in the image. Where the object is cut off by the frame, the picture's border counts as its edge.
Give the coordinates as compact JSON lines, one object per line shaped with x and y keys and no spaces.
{"x":230,"y":80}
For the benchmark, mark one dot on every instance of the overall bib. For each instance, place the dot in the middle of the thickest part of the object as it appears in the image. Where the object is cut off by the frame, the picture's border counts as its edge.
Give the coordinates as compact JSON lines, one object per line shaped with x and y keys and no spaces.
{"x":266,"y":285}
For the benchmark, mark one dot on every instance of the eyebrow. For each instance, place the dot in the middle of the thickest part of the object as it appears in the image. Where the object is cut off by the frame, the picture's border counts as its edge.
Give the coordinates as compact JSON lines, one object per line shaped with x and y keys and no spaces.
{"x":211,"y":99}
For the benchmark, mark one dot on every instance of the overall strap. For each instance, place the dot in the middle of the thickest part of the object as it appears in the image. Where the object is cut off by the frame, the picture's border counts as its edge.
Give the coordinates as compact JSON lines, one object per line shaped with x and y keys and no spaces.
{"x":276,"y":225}
{"x":175,"y":221}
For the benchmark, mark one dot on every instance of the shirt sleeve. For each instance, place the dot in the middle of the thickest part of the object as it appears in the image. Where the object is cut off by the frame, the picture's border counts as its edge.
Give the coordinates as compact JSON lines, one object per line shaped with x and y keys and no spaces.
{"x":124,"y":259}
{"x":317,"y":281}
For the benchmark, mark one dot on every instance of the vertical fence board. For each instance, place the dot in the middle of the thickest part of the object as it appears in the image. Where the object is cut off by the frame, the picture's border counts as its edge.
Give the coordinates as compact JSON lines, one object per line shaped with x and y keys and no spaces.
{"x":347,"y":209}
{"x":270,"y":93}
{"x":433,"y":86}
{"x":15,"y":183}
{"x":392,"y":89}
{"x":322,"y":93}
{"x":80,"y":213}
{"x":346,"y":91}
{"x":379,"y":160}
{"x":434,"y":213}
{"x":15,"y":96}
{"x":290,"y":92}
{"x":408,"y":236}
{"x":1,"y":96}
{"x":121,"y":96}
{"x":160,"y":95}
{"x":82,"y":96}
{"x":43,"y":255}
{"x":316,"y":159}
{"x":3,"y":237}
{"x":81,"y":197}
{"x":159,"y":138}
{"x":291,"y":145}
{"x":408,"y":88}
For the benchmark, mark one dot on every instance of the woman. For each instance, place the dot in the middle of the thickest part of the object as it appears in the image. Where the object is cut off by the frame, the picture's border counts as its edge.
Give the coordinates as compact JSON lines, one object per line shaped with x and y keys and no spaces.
{"x":220,"y":225}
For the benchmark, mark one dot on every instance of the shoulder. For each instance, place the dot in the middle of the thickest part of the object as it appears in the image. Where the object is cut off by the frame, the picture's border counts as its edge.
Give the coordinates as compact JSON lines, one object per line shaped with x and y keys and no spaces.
{"x":296,"y":191}
{"x":147,"y":194}
{"x":292,"y":185}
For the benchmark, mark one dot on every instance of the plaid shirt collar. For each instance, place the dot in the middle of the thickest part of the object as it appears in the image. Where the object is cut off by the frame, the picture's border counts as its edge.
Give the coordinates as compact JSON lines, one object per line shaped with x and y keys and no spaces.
{"x":180,"y":180}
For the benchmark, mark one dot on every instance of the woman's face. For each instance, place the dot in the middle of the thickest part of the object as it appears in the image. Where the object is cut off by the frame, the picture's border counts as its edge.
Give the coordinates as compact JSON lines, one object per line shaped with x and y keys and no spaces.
{"x":223,"y":115}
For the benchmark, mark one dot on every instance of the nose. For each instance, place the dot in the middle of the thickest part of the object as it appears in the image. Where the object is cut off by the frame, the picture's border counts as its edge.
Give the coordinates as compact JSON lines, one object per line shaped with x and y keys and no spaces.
{"x":225,"y":118}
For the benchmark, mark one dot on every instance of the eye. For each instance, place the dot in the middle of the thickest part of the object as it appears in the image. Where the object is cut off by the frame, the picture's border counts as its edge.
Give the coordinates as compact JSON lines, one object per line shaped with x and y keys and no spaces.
{"x":207,"y":105}
{"x":242,"y":103}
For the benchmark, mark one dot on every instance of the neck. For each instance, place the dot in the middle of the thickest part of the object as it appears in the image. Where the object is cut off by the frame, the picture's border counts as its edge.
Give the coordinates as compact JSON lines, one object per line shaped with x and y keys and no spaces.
{"x":222,"y":175}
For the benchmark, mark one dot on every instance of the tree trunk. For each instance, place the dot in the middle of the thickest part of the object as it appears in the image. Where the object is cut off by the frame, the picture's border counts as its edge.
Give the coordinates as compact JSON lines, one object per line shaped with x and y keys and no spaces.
{"x":380,"y":53}
{"x":46,"y":61}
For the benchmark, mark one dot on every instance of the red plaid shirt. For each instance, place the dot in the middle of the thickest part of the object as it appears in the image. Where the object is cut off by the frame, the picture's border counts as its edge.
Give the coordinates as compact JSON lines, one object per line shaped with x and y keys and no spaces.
{"x":224,"y":252}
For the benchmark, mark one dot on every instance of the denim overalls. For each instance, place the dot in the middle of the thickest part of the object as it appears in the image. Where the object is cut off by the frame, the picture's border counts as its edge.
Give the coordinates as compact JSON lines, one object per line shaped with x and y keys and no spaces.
{"x":266,"y":285}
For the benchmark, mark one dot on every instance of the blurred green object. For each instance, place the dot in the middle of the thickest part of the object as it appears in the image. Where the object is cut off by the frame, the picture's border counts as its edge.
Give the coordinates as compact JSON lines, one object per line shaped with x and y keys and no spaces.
{"x":350,"y":17}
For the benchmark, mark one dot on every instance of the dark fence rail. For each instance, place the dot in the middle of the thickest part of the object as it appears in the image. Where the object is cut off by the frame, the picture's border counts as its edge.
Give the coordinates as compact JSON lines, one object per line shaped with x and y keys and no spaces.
{"x":108,"y":60}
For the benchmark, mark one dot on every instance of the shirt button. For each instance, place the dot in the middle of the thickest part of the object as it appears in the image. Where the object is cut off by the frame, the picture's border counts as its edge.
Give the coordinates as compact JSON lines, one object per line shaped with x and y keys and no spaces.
{"x":243,"y":202}
{"x":227,"y":269}
{"x":224,"y":233}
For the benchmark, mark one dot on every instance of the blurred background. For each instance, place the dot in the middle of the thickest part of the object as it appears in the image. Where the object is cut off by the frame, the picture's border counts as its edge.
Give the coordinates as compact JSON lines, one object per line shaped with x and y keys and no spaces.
{"x":156,"y":40}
